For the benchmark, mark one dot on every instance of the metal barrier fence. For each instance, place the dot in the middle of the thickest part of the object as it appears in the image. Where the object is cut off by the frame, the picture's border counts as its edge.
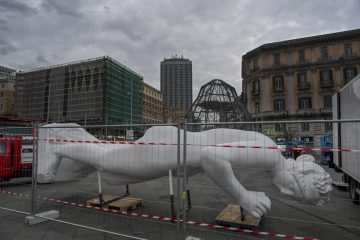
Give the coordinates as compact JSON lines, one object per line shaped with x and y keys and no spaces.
{"x":183,"y":181}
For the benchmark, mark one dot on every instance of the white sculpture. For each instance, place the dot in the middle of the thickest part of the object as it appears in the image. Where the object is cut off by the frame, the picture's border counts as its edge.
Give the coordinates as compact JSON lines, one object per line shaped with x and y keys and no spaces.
{"x":120,"y":164}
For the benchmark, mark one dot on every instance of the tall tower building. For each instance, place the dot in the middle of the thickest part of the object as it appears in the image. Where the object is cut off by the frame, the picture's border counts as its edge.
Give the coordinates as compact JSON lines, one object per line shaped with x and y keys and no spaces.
{"x":176,"y":87}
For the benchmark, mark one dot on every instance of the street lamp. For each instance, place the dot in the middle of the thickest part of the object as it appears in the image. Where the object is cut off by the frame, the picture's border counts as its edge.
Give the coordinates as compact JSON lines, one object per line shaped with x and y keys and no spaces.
{"x":130,"y":132}
{"x":131,"y":103}
{"x":48,"y":103}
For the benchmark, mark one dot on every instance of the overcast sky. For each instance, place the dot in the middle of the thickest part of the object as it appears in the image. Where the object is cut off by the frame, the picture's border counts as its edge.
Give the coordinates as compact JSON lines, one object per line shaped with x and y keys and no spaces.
{"x":140,"y":33}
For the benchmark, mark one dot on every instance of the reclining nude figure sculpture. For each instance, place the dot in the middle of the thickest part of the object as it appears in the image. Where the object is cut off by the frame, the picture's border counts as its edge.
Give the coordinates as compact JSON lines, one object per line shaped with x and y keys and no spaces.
{"x":122,"y":164}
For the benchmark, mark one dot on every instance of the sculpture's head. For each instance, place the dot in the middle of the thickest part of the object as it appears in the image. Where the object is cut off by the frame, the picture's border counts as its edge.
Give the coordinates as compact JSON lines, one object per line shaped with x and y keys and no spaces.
{"x":304,"y":180}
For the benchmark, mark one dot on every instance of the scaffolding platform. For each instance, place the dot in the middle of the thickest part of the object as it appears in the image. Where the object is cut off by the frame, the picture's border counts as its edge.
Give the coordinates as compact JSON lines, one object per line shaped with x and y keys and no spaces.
{"x":116,"y":203}
{"x":231,"y":216}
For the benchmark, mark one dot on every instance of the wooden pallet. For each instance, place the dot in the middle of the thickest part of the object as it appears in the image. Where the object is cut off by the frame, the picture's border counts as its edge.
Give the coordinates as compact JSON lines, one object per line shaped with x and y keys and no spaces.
{"x":123,"y":204}
{"x":231,"y":216}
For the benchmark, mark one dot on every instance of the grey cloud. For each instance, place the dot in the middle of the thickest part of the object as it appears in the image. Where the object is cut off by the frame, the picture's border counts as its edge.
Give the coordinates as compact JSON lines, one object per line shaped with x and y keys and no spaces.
{"x":3,"y":25}
{"x":16,"y":6}
{"x":213,"y":34}
{"x":42,"y":59}
{"x":6,"y":47}
{"x":65,"y":7}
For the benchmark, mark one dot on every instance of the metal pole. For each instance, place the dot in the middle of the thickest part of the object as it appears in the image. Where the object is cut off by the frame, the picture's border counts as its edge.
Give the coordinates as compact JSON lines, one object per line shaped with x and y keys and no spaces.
{"x":178,"y":184}
{"x":131,"y":103}
{"x":106,"y":125}
{"x":184,"y":195}
{"x":34,"y":171}
{"x":58,"y":115}
{"x":48,"y":103}
{"x":172,"y":201}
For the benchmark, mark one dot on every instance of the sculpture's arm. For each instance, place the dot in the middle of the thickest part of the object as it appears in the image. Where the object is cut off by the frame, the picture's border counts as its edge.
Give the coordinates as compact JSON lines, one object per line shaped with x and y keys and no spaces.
{"x":219,"y":169}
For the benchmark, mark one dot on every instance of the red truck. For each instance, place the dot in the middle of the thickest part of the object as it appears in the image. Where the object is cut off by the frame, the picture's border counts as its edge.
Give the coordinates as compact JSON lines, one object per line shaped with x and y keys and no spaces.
{"x":16,"y":155}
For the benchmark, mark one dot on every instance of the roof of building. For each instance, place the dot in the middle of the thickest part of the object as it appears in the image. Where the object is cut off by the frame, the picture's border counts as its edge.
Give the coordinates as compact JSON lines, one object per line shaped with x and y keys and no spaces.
{"x":6,"y":70}
{"x":330,"y":37}
{"x":176,"y":58}
{"x":81,"y":62}
{"x":151,"y":87}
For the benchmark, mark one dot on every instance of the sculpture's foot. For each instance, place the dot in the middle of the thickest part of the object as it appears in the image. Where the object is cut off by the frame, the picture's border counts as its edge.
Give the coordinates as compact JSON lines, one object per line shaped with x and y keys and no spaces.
{"x":256,"y":203}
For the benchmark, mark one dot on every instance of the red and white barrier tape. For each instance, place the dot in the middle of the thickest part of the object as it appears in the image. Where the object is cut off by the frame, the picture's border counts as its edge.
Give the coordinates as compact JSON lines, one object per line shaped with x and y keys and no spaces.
{"x":197,"y":145}
{"x":164,"y":219}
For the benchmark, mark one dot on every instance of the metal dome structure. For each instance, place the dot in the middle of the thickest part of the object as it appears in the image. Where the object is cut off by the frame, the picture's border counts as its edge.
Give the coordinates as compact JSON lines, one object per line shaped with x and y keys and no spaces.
{"x":217,"y":102}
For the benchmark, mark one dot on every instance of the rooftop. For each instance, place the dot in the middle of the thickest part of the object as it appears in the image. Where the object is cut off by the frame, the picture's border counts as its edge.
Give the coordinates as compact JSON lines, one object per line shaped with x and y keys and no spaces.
{"x":80,"y":62}
{"x":330,"y":37}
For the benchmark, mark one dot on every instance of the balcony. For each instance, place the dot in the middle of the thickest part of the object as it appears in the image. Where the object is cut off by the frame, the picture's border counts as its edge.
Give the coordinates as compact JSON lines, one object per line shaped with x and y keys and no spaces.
{"x":279,"y":89}
{"x":304,"y":86}
{"x":327,"y":84}
{"x":325,"y":110}
{"x":306,"y":111}
{"x":268,"y":114}
{"x":254,"y":69}
{"x":255,"y":92}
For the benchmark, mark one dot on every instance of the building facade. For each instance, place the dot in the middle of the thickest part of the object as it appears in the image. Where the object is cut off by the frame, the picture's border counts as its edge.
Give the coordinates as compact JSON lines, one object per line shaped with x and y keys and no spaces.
{"x":93,"y":91}
{"x":176,"y":87}
{"x":7,"y":82}
{"x":295,"y":79}
{"x":152,"y":105}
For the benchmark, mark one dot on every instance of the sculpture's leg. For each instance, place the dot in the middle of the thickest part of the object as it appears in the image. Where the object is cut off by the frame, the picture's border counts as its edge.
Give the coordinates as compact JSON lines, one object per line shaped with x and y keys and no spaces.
{"x":101,"y":199}
{"x":172,"y":200}
{"x":188,"y":199}
{"x":127,"y":190}
{"x":219,"y":169}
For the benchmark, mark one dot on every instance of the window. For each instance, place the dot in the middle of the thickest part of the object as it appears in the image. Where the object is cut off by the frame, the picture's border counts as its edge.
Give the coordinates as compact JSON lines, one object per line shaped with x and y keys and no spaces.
{"x":277,"y":59}
{"x":2,"y":148}
{"x":255,"y":64}
{"x":324,"y":54}
{"x":327,"y":101}
{"x":255,"y":86}
{"x":302,"y":56}
{"x":266,"y":61}
{"x":326,"y":78}
{"x":289,"y":58}
{"x":278,"y":82}
{"x":347,"y":50}
{"x":1,"y":107}
{"x":257,"y":107}
{"x":302,"y":80}
{"x":349,"y":73}
{"x":1,"y":93}
{"x":279,"y":127}
{"x":305,"y":103}
{"x":279,"y":105}
{"x":328,"y":126}
{"x":305,"y":126}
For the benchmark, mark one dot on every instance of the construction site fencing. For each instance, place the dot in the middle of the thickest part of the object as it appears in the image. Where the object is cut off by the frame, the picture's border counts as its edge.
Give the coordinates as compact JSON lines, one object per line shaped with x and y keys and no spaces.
{"x":182,"y":181}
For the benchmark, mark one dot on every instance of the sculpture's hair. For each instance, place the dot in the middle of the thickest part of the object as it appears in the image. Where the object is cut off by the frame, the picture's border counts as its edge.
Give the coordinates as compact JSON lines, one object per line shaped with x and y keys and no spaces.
{"x":305,"y":170}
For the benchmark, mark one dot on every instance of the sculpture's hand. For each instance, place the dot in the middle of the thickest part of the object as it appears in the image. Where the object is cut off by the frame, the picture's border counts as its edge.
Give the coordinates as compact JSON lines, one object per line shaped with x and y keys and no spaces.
{"x":256,"y":203}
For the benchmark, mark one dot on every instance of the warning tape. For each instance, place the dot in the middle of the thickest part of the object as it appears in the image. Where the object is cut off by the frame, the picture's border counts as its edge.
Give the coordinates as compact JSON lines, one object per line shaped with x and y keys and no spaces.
{"x":164,"y":219}
{"x":197,"y":145}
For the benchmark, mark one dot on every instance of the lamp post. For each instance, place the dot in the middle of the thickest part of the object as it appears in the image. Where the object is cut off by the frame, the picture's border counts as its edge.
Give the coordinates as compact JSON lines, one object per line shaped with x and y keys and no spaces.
{"x":130,"y":133}
{"x":86,"y":108}
{"x":48,"y":103}
{"x":131,"y":103}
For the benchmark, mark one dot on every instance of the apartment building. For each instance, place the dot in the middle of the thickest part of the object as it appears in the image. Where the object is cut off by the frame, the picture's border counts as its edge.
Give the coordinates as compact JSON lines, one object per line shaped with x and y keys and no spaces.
{"x":152,"y":105}
{"x":295,"y":79}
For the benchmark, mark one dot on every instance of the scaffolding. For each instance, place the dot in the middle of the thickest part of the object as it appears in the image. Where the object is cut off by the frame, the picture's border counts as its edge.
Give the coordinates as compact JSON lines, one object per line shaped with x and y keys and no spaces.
{"x":217,"y":102}
{"x":94,"y":91}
